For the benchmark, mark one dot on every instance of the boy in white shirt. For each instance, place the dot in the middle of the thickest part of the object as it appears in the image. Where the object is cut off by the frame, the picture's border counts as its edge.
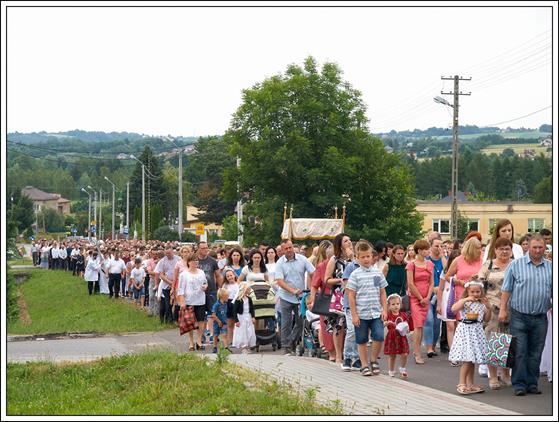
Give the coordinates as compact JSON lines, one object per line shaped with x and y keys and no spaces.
{"x":137,"y":276}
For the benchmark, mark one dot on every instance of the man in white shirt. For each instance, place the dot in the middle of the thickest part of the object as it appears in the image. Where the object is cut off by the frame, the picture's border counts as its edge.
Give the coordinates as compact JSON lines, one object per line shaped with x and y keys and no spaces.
{"x":165,"y":270}
{"x":92,"y":269}
{"x":62,"y":255}
{"x":54,"y":254}
{"x":73,"y":258}
{"x":117,"y":270}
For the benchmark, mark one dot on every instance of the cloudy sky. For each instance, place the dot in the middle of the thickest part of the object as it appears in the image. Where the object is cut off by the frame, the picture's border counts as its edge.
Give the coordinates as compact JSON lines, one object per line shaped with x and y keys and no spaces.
{"x":180,"y":71}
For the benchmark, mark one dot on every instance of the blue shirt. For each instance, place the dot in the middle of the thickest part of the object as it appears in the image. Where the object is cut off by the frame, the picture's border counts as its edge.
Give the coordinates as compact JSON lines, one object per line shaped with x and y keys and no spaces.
{"x":220,"y":310}
{"x":293,"y":273}
{"x":366,"y":283}
{"x":438,"y":263}
{"x":530,"y":285}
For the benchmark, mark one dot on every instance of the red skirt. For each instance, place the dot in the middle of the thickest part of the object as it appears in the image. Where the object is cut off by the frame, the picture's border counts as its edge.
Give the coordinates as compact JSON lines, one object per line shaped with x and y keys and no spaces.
{"x":394,"y":343}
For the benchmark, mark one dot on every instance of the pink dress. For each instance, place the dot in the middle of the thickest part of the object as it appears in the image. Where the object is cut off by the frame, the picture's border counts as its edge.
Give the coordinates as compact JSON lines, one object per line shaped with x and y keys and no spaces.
{"x":464,"y":272}
{"x":422,"y":279}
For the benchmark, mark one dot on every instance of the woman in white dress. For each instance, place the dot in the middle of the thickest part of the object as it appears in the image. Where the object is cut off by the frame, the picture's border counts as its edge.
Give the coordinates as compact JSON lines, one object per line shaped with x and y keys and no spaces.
{"x":103,"y":275}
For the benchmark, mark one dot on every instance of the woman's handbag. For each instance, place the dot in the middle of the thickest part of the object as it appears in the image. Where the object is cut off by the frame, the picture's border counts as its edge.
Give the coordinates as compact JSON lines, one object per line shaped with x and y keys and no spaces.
{"x":451,"y":301}
{"x":187,"y":320}
{"x":405,"y":302}
{"x":336,"y":302}
{"x":321,"y":304}
{"x":501,"y":350}
{"x":402,"y":327}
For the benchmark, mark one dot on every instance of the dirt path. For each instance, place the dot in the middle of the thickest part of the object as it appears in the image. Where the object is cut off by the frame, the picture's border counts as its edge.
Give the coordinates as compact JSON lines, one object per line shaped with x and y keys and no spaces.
{"x":23,"y":312}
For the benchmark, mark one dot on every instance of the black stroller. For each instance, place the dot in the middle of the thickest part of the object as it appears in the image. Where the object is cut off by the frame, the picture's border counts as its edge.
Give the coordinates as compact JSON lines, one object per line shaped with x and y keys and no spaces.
{"x":264,"y":300}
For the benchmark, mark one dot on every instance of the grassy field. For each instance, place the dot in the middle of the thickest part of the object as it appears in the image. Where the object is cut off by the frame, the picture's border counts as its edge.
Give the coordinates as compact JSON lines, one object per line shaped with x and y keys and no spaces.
{"x":517,"y":148}
{"x":152,"y":383}
{"x":57,"y":302}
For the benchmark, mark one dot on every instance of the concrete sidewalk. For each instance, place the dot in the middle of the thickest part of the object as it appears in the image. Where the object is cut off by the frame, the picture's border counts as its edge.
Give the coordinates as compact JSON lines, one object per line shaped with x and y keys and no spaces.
{"x":355,"y":394}
{"x":358,"y":395}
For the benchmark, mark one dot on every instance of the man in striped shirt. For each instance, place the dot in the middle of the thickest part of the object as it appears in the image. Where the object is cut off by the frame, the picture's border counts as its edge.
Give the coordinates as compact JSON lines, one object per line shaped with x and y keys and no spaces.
{"x":526,"y":293}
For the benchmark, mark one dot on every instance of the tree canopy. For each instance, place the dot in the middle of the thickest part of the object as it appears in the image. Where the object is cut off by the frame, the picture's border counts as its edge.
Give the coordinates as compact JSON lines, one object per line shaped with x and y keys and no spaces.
{"x":303,"y":138}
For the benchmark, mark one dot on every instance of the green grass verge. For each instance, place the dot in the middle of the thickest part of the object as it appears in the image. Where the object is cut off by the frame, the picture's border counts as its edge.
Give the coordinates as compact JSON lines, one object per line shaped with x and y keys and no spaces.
{"x":151,"y":383}
{"x":57,"y":302}
{"x":21,"y":261}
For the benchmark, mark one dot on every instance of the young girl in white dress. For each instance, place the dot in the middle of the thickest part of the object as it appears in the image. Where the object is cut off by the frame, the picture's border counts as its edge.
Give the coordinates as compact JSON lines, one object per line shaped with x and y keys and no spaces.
{"x":470,"y":345}
{"x":244,"y":336}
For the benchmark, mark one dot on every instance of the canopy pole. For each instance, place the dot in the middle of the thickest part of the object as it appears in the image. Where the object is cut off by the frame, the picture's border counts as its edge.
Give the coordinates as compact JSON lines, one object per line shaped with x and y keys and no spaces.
{"x":336,"y":212}
{"x":291,"y":222}
{"x":343,"y":218}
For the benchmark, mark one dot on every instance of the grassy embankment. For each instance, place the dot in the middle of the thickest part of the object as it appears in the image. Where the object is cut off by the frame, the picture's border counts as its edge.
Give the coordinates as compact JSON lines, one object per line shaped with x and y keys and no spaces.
{"x":57,"y":302}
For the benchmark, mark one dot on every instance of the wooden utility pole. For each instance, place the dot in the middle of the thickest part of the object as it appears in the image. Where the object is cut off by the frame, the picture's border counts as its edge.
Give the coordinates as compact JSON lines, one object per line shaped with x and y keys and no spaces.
{"x":455,"y":106}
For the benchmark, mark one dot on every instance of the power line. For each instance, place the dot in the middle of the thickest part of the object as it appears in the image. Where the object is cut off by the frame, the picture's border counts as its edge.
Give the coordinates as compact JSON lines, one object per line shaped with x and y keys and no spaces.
{"x":518,"y":118}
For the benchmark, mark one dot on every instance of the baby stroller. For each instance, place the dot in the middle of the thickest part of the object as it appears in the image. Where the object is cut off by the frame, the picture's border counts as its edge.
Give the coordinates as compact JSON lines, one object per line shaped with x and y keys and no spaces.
{"x":263,"y":298}
{"x":309,"y":336}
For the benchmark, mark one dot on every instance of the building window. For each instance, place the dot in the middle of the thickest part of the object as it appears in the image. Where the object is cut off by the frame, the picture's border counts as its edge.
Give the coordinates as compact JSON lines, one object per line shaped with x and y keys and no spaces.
{"x":535,"y":225}
{"x":473,"y":225}
{"x":441,"y":226}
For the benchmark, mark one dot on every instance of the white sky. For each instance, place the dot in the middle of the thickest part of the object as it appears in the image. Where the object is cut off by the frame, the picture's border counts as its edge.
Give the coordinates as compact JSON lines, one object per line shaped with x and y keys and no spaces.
{"x":180,"y":71}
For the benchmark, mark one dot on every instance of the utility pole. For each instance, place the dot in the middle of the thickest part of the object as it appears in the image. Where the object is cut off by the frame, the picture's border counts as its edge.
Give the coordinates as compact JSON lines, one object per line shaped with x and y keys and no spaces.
{"x":127,"y":209}
{"x":456,"y":94}
{"x":95,"y":212}
{"x":179,"y":225}
{"x":100,"y":214}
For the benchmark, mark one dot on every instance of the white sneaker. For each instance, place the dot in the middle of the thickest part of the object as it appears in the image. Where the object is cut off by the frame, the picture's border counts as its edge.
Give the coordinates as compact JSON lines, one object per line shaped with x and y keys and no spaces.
{"x":391,"y":373}
{"x":482,"y":370}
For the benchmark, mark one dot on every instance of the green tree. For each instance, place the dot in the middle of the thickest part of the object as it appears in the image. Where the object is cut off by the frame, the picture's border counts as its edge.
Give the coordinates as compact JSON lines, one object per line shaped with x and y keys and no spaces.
{"x":543,"y":191}
{"x":230,"y":227}
{"x":205,"y":170}
{"x":303,"y":138}
{"x":508,"y":152}
{"x":19,"y":212}
{"x":165,"y":234}
{"x":53,"y":220}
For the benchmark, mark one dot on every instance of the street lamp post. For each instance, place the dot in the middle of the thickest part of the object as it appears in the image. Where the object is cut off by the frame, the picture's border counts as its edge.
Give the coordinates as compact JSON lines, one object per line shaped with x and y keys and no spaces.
{"x":143,"y":197}
{"x":94,"y":208}
{"x":127,"y":210}
{"x":113,"y":213}
{"x":88,"y":215}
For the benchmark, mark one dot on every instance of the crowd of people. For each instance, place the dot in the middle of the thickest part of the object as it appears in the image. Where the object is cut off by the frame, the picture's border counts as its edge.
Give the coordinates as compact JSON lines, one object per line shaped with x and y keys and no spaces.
{"x":450,"y":294}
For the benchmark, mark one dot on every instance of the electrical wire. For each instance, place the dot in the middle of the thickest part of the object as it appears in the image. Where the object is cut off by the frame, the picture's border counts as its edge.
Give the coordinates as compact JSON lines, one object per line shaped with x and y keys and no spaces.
{"x":518,"y":118}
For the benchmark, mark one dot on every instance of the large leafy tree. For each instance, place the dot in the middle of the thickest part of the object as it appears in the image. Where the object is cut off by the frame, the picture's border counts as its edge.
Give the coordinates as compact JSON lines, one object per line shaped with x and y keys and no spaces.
{"x":303,"y":138}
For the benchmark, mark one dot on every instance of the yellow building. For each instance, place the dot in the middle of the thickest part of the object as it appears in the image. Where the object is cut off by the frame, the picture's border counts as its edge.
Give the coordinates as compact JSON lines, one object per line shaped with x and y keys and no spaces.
{"x":482,"y":216}
{"x":192,"y":221}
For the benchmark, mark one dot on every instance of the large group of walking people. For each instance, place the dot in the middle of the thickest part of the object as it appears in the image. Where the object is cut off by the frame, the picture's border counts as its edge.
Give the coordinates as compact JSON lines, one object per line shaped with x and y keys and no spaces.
{"x":430,"y":297}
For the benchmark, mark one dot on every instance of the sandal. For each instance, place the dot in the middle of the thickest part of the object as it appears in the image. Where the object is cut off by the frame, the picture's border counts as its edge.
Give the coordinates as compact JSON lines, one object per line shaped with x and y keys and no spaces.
{"x":375,"y":368}
{"x":477,"y":389}
{"x":494,"y":384}
{"x":403,"y":373}
{"x":191,"y":349}
{"x":419,"y":361}
{"x":365,"y":371}
{"x":462,"y":389}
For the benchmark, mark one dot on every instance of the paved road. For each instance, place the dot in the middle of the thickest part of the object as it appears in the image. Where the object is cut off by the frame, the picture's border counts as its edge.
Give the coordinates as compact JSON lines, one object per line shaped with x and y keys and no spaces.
{"x":436,"y":380}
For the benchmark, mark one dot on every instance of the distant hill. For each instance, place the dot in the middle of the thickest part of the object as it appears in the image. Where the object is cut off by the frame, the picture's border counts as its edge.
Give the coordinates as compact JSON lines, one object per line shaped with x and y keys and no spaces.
{"x":471,"y":131}
{"x":82,"y":135}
